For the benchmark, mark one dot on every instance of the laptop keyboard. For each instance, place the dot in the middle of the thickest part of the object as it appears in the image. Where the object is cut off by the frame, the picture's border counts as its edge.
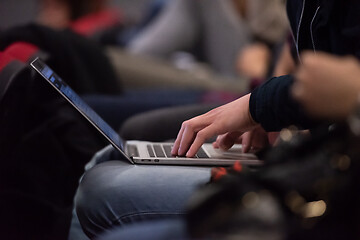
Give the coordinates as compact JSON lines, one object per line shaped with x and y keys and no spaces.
{"x":160,"y":150}
{"x":164,"y":150}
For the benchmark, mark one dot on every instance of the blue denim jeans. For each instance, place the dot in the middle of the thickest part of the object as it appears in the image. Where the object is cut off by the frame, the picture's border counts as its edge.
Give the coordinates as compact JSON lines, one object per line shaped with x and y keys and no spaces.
{"x":115,"y":193}
{"x":174,"y":229}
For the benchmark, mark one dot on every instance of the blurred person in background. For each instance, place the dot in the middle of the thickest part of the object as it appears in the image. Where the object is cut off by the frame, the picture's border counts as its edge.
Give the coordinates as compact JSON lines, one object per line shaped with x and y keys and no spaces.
{"x":233,"y":36}
{"x":89,"y":18}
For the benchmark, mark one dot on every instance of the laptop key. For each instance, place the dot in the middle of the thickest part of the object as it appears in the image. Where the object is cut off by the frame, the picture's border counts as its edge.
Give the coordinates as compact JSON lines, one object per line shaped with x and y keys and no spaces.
{"x":167,"y":149}
{"x":151,"y":151}
{"x":158,"y":151}
{"x":201,"y":154}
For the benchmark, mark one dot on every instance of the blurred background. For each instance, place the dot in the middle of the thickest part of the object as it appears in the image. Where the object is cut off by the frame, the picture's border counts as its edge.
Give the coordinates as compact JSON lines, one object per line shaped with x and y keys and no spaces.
{"x":17,"y":12}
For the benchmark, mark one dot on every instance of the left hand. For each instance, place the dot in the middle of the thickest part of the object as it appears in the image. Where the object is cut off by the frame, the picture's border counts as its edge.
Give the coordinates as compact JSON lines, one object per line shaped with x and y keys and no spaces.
{"x":254,"y":140}
{"x":327,"y":86}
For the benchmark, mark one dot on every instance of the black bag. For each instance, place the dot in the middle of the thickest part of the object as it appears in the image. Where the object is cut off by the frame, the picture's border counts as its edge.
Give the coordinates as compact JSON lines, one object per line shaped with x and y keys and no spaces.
{"x":309,"y":188}
{"x":44,"y":145}
{"x":80,"y":61}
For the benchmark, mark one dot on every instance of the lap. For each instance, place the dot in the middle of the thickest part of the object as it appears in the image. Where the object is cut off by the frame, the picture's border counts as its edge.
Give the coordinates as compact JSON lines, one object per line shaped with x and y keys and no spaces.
{"x":115,"y":193}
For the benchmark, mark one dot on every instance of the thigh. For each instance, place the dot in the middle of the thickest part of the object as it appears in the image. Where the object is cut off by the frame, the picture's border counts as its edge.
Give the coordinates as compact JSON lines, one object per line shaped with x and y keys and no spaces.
{"x":157,"y":230}
{"x":116,"y":193}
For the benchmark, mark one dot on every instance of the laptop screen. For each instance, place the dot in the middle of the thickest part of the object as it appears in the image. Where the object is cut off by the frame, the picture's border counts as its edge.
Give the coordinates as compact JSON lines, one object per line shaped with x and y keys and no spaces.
{"x":78,"y":103}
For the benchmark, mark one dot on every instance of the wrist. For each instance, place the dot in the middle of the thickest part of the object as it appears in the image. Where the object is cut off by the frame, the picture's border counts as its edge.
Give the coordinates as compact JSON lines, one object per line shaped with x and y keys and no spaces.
{"x":252,"y":122}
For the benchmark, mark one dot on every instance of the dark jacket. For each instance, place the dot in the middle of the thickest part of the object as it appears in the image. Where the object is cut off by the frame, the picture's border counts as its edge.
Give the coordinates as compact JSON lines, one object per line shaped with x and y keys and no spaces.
{"x":331,"y":26}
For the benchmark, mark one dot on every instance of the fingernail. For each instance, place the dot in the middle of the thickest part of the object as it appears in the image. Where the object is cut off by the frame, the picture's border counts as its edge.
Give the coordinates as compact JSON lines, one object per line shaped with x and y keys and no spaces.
{"x":179,"y":150}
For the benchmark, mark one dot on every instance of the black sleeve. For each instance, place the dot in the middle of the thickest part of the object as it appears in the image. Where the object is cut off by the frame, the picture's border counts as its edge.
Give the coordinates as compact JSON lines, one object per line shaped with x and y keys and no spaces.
{"x":272,"y":105}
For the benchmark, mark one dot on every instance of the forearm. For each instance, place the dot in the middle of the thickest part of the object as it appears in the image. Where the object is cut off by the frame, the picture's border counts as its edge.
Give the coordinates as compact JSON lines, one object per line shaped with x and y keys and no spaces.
{"x":273,"y":106}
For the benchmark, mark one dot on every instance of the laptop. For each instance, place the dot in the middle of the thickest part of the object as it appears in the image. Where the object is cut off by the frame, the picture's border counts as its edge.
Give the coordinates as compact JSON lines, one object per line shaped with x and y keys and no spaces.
{"x":142,"y":152}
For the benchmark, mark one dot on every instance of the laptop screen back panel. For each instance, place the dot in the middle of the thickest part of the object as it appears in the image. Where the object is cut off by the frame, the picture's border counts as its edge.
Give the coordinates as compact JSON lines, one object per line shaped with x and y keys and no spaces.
{"x":75,"y":100}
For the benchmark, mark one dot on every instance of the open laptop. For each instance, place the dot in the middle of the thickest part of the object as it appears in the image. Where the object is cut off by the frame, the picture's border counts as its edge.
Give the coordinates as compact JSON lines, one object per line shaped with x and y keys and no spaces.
{"x":142,"y":152}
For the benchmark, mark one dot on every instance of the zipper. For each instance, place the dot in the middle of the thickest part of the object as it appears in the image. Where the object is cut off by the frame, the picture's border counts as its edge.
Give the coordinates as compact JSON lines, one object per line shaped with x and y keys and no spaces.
{"x":311,"y":29}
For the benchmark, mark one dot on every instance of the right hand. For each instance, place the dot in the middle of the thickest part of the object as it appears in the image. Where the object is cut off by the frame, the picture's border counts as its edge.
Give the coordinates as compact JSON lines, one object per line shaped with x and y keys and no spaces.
{"x":233,"y":117}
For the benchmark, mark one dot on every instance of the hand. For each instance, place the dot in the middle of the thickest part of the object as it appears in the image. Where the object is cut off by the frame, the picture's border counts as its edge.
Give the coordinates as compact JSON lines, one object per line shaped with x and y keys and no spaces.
{"x":327,"y":86}
{"x":255,"y":140}
{"x":232,"y":117}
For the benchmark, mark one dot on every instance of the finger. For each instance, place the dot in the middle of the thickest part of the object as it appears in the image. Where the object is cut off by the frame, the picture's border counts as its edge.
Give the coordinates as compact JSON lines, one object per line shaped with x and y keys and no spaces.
{"x":259,"y":141}
{"x":186,"y":141}
{"x":191,"y":128}
{"x":246,"y":141}
{"x":183,"y":130}
{"x":200,"y":138}
{"x":216,"y":143}
{"x":175,"y":148}
{"x":307,"y":57}
{"x":239,"y":139}
{"x":228,"y":140}
{"x":301,"y":76}
{"x":298,"y":90}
